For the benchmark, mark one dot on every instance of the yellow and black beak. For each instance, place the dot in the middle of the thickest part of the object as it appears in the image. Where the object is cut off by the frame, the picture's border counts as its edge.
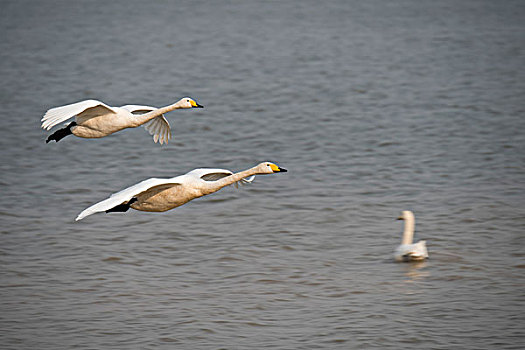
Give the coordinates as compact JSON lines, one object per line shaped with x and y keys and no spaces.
{"x":195,"y":105}
{"x":277,"y":169}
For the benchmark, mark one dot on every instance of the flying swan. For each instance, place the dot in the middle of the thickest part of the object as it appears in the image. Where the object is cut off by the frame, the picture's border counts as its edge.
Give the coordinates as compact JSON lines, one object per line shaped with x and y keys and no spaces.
{"x":164,"y":194}
{"x":94,"y":119}
{"x":409,"y":251}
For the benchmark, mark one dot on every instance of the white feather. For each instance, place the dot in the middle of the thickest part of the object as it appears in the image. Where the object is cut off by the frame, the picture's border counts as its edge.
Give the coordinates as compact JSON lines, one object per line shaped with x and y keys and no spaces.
{"x":159,"y":127}
{"x":407,"y":250}
{"x":209,"y":174}
{"x":124,"y":196}
{"x":58,"y":115}
{"x":94,"y":119}
{"x":190,"y":179}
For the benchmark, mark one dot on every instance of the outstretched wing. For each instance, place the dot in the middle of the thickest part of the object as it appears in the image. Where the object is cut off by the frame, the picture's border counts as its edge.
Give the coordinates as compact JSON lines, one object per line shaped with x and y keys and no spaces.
{"x":217,"y":174}
{"x":124,"y":196}
{"x":158,"y":127}
{"x":88,"y":108}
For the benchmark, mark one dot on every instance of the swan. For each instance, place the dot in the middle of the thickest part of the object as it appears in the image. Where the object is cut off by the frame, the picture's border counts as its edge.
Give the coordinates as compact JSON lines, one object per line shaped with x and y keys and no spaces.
{"x":164,"y":194}
{"x":409,"y":251}
{"x":94,"y":119}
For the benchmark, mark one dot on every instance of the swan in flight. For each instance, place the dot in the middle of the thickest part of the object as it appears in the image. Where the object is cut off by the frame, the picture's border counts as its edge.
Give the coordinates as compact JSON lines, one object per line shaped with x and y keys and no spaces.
{"x":164,"y":194}
{"x":409,"y":251}
{"x":94,"y":119}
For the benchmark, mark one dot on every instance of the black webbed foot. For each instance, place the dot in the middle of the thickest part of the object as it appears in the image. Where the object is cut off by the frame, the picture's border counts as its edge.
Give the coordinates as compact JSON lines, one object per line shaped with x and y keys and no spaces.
{"x":121,"y":208}
{"x":61,"y":133}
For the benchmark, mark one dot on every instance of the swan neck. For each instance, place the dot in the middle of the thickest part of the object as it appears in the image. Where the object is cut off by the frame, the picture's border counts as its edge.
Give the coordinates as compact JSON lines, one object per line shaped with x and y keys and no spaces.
{"x":230,"y":180}
{"x":146,"y":117}
{"x":408,"y":233}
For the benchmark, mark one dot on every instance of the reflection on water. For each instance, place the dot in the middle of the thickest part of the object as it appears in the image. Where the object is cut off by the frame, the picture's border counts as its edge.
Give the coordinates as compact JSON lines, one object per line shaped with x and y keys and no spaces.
{"x":414,"y":271}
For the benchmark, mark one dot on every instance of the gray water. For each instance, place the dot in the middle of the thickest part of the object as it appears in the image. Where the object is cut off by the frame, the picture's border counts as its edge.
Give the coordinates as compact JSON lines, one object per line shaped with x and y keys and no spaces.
{"x":374,"y":107}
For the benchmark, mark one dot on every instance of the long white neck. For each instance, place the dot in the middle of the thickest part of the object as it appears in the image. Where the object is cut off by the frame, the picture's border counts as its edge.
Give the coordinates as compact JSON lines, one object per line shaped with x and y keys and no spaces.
{"x":146,"y":117}
{"x":230,"y":180}
{"x":408,"y":233}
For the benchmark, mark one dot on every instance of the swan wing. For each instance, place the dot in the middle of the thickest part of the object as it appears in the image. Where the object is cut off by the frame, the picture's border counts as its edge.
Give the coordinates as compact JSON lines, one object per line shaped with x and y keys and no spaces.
{"x":87,"y":109}
{"x":214,"y":174}
{"x":408,"y":252}
{"x":125,"y":195}
{"x":217,"y":174}
{"x":158,"y":127}
{"x":419,"y":251}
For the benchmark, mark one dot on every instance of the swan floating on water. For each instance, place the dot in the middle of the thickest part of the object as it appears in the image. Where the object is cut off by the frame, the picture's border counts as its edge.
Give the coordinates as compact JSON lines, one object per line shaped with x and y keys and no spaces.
{"x":159,"y":195}
{"x":94,"y":119}
{"x":409,"y":251}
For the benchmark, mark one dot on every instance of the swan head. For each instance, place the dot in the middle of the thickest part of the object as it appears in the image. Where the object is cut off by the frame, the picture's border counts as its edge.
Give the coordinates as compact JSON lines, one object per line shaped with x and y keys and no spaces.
{"x":406,"y":215}
{"x":187,"y":102}
{"x":269,"y":168}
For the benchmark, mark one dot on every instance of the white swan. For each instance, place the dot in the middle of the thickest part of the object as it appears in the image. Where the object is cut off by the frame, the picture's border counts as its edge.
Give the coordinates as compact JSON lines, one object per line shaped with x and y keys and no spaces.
{"x":165,"y":194}
{"x":94,"y":119}
{"x":409,"y":251}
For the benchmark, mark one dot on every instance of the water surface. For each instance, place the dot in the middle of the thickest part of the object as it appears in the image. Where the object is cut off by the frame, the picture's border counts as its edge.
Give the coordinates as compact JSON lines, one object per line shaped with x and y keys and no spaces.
{"x":374,"y":107}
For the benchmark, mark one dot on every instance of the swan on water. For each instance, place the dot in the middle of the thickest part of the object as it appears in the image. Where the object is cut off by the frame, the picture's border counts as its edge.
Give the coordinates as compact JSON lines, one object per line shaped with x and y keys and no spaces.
{"x":164,"y":194}
{"x":409,"y":251}
{"x":94,"y":119}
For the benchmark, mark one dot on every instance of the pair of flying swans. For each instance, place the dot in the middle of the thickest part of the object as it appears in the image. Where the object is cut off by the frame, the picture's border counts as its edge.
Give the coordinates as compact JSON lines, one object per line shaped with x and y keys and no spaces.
{"x":95,"y":119}
{"x":408,"y":251}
